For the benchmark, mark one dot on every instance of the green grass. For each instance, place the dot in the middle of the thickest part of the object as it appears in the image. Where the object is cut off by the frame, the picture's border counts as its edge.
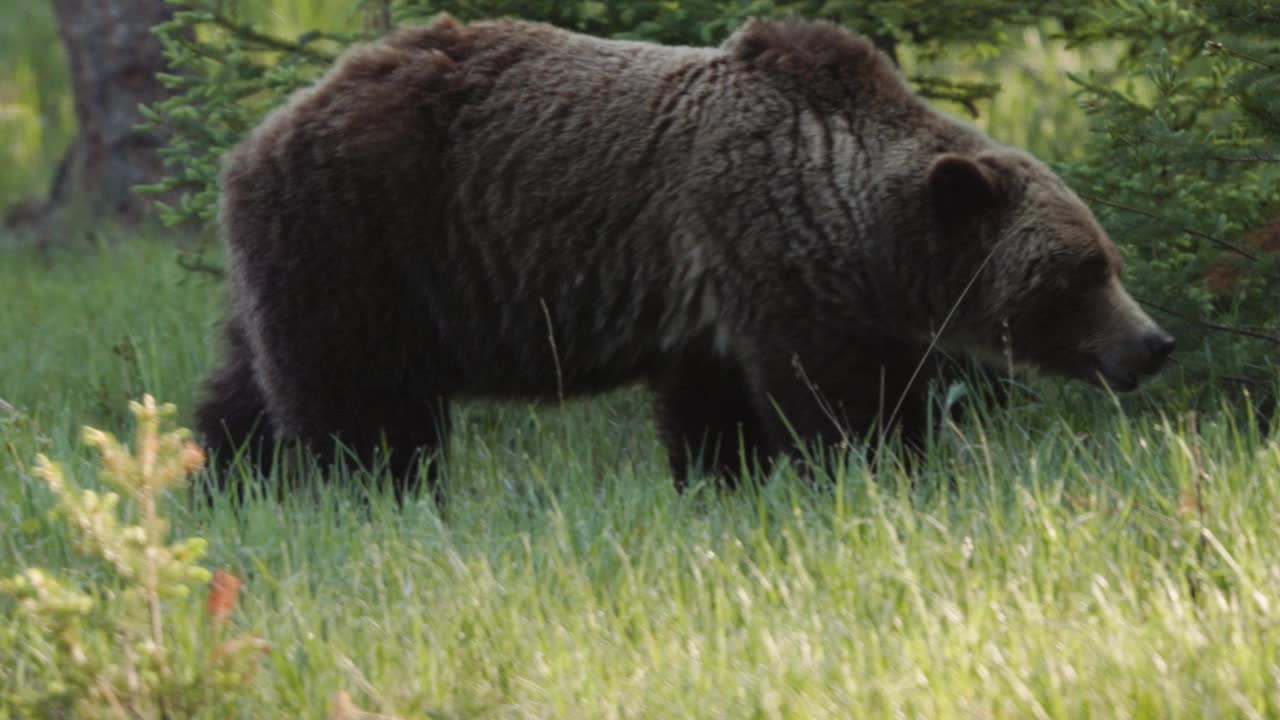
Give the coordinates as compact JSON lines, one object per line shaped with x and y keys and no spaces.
{"x":1045,"y":563}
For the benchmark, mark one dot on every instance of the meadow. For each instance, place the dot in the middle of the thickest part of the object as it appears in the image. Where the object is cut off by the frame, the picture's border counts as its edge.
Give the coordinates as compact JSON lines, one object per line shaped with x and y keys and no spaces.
{"x":1070,"y":555}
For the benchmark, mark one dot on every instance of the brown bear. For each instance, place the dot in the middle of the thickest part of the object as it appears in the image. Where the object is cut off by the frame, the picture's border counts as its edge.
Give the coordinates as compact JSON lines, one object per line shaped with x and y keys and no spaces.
{"x":776,"y":236}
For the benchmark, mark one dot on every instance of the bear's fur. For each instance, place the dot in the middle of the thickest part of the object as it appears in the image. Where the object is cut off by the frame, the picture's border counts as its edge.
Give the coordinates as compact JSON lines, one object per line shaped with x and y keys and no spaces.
{"x":773,"y":235}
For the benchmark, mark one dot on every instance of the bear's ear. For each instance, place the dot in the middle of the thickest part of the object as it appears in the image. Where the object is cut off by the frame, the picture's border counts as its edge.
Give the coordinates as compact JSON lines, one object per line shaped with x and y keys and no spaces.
{"x":962,"y":188}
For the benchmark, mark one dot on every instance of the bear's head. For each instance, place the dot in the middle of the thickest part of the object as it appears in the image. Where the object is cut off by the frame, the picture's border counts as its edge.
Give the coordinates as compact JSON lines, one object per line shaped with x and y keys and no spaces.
{"x":1039,"y":276}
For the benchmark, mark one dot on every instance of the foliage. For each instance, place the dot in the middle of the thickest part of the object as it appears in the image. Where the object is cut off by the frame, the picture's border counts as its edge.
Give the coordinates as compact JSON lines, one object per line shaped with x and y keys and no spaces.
{"x":1183,"y":165}
{"x":113,"y":652}
{"x":36,"y":115}
{"x":225,"y":76}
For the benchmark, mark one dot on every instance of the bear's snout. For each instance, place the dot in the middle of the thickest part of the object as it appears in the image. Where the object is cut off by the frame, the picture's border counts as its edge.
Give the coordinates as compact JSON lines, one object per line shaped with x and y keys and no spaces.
{"x":1160,"y":346}
{"x":1134,"y":347}
{"x":1126,"y":361}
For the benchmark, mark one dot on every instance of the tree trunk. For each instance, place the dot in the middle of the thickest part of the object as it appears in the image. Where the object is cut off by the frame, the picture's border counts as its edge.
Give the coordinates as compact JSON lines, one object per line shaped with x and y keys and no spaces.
{"x":114,"y":58}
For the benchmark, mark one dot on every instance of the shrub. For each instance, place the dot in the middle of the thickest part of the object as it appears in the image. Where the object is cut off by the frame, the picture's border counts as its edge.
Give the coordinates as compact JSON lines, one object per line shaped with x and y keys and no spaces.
{"x":1184,"y":168}
{"x":124,"y":648}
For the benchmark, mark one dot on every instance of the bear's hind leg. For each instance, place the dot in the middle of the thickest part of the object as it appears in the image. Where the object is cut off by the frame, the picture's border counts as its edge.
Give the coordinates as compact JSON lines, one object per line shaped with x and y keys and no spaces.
{"x":415,"y":435}
{"x":706,"y":421}
{"x":393,"y":434}
{"x":231,"y":418}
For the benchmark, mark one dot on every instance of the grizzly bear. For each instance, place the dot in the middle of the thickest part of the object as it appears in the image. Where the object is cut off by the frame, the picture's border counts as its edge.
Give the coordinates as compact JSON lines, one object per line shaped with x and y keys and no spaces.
{"x":776,"y":236}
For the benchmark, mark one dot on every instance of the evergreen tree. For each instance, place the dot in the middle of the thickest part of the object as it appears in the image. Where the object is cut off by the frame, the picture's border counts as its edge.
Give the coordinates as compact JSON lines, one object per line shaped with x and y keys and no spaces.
{"x":1184,"y":170}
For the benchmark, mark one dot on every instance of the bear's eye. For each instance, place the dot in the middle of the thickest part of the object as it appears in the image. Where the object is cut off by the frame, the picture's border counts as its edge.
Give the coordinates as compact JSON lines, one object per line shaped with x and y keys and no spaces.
{"x":1093,"y":270}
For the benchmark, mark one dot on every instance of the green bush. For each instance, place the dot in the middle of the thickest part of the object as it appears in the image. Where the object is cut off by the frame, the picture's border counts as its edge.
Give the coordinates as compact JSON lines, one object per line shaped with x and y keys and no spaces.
{"x":1183,"y":167}
{"x":124,"y":647}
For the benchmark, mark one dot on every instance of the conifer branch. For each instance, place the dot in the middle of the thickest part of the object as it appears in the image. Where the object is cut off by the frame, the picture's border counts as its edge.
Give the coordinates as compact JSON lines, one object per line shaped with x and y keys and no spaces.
{"x":270,"y":42}
{"x":1209,"y":325}
{"x":1225,"y":244}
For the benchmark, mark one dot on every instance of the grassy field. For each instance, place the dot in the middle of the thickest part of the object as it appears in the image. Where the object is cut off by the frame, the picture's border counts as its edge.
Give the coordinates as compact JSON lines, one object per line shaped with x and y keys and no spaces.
{"x":1068,"y":557}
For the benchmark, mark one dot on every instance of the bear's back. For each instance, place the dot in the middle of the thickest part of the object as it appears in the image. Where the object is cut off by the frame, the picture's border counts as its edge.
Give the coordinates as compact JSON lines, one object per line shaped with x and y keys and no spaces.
{"x":504,"y":182}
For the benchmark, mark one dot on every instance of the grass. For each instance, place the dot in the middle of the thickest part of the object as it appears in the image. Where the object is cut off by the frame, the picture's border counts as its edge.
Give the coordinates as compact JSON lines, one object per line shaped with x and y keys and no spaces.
{"x":1067,"y":557}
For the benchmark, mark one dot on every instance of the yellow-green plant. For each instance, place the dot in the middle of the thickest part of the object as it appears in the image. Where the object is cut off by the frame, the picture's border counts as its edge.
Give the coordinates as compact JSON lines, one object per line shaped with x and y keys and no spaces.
{"x":137,"y":645}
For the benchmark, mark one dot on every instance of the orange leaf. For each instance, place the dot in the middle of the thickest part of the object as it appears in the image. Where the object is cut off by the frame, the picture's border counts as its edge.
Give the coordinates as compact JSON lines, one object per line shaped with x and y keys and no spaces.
{"x":192,"y":457}
{"x":223,"y":591}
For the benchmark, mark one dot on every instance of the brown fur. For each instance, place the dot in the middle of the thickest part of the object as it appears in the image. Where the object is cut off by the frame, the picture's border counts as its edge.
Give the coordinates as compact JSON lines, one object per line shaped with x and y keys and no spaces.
{"x":769,"y":235}
{"x":818,"y":60}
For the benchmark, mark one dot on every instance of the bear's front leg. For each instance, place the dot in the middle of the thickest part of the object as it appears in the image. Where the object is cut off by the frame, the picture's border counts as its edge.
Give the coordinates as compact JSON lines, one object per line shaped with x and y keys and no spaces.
{"x":816,"y":398}
{"x":707,"y":421}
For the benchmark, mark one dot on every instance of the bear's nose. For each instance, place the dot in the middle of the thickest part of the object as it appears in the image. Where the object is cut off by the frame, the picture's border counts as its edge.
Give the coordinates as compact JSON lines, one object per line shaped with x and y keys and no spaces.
{"x":1160,"y":344}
